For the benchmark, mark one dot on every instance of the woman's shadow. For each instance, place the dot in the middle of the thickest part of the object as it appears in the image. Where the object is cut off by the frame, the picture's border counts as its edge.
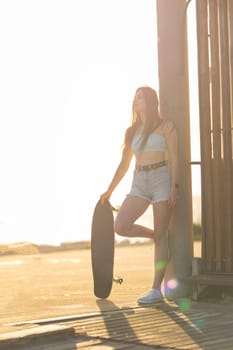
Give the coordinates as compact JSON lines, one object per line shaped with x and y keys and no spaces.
{"x":119,"y":328}
{"x":116,"y":322}
{"x":116,"y":319}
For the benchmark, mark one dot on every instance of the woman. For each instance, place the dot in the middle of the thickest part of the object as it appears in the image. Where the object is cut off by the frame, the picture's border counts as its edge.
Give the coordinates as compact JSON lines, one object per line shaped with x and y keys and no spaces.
{"x":150,"y":139}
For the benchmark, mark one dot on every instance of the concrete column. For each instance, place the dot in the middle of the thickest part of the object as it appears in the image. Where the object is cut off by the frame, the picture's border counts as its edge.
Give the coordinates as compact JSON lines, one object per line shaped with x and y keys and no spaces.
{"x":174,"y":103}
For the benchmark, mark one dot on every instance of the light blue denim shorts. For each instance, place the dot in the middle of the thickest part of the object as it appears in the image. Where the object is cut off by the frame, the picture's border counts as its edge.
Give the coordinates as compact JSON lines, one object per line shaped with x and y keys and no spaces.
{"x":153,"y":185}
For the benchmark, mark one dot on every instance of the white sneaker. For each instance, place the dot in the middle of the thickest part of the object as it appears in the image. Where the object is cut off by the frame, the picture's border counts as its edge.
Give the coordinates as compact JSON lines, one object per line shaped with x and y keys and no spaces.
{"x":153,"y":296}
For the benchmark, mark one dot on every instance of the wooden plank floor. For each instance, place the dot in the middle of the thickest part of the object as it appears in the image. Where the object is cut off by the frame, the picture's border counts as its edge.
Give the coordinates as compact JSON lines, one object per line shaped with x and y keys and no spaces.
{"x":164,"y":327}
{"x":58,"y":289}
{"x":183,"y":326}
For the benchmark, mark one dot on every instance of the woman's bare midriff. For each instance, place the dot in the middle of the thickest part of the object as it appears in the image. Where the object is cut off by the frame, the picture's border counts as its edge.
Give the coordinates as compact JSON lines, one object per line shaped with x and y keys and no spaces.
{"x":149,"y":157}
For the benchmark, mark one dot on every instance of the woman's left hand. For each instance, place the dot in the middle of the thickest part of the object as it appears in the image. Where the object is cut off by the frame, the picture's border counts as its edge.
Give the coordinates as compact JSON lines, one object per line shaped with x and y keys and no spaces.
{"x":173,"y":196}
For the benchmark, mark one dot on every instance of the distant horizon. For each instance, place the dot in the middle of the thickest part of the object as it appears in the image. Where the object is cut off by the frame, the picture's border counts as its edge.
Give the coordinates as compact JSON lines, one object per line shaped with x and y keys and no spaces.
{"x":146,"y":220}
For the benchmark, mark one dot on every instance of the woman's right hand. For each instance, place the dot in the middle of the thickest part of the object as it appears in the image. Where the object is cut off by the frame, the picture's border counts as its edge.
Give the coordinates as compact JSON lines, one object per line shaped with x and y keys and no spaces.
{"x":104,"y":196}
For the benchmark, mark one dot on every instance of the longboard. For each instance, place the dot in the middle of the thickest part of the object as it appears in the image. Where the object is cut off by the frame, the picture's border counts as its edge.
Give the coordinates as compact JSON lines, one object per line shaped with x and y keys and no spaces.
{"x":102,"y":249}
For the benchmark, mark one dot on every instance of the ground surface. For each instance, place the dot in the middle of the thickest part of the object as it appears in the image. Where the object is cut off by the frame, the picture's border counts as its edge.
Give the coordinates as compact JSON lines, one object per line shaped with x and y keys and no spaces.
{"x":58,"y":286}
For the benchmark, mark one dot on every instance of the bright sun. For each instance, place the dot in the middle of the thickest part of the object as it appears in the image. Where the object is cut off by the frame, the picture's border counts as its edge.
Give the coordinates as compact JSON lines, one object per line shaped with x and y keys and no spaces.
{"x":69,"y":70}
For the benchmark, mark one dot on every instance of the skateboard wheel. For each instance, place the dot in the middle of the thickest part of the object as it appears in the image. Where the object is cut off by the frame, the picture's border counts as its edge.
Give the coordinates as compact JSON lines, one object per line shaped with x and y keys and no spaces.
{"x":118,"y":280}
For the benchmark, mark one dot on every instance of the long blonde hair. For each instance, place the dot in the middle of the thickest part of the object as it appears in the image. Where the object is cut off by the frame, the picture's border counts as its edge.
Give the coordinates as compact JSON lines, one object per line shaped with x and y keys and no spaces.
{"x":153,"y":118}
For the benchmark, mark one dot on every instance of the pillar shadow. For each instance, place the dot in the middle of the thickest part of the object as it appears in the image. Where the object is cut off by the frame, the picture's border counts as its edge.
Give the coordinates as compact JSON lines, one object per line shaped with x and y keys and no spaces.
{"x":180,"y":312}
{"x":119,"y":328}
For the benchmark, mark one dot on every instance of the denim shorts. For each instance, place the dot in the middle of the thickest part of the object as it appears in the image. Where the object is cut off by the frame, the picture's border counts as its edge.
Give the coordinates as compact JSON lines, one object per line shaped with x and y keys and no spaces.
{"x":153,"y":185}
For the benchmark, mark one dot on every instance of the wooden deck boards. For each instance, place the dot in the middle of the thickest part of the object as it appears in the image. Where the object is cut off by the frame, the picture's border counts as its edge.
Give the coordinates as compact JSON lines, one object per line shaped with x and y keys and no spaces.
{"x":63,"y":296}
{"x":164,"y":327}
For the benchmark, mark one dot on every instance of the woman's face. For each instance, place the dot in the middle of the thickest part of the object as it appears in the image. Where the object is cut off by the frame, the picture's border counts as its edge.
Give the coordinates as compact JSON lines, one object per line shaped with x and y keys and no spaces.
{"x":139,"y":103}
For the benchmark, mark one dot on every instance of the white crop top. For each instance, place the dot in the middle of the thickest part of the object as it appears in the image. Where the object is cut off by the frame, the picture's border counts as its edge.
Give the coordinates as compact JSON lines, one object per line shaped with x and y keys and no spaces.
{"x":155,"y":142}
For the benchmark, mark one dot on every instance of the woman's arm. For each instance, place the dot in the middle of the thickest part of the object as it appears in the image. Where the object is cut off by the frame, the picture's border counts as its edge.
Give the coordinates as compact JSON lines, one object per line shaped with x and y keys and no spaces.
{"x":122,"y":168}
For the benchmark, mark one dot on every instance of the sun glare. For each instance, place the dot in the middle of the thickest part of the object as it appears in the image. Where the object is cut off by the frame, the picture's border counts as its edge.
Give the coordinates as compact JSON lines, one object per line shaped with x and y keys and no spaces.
{"x":69,"y":70}
{"x":68,"y":74}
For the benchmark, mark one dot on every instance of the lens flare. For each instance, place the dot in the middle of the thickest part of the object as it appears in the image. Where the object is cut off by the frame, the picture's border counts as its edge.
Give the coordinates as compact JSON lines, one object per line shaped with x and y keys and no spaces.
{"x":172,"y":284}
{"x":199,"y":323}
{"x":184,"y":304}
{"x":160,"y":265}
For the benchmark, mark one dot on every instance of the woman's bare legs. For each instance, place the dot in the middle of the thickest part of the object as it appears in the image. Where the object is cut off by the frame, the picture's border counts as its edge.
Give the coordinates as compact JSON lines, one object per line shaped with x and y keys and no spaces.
{"x":162,"y":215}
{"x":132,"y":208}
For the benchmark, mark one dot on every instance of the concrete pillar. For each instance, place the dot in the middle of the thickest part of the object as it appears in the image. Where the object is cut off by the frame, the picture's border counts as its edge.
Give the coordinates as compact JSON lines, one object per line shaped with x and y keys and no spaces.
{"x":174,"y":103}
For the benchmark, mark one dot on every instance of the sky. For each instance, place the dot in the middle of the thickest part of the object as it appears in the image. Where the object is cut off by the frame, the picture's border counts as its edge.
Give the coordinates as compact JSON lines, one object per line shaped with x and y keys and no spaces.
{"x":68,"y":74}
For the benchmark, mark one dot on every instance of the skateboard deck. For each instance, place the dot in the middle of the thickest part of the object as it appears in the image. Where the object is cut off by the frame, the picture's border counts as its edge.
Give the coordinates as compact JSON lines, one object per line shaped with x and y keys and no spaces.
{"x":102,"y":249}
